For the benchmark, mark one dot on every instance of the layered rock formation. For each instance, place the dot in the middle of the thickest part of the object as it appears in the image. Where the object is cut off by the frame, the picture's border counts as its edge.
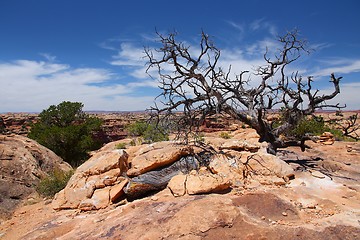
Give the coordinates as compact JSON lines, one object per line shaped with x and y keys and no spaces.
{"x":111,"y":175}
{"x":17,"y":123}
{"x":257,"y":195}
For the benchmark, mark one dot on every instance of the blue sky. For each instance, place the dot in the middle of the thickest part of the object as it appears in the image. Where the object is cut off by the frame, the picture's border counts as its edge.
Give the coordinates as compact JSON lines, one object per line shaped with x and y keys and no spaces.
{"x":92,"y":51}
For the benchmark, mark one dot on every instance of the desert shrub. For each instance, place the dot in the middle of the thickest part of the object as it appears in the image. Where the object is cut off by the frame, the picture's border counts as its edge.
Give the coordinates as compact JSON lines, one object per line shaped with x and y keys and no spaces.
{"x":225,"y":135}
{"x":55,"y":182}
{"x":137,"y":128}
{"x":120,"y":146}
{"x":199,"y":137}
{"x":150,"y":132}
{"x":339,"y":135}
{"x":67,"y":131}
{"x":132,"y":143}
{"x":313,"y":126}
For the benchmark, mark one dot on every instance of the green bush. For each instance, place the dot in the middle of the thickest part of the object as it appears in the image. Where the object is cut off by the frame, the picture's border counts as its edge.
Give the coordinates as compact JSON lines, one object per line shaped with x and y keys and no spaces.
{"x":225,"y":135}
{"x":314,"y":126}
{"x":199,"y":137}
{"x":120,"y":146}
{"x":67,"y":131}
{"x":55,"y":182}
{"x":150,"y":132}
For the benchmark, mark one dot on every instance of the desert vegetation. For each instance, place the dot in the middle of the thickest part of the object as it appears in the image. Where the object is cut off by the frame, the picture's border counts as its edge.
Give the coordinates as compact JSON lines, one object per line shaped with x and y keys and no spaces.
{"x":68,"y":131}
{"x":54,"y":182}
{"x":148,"y":131}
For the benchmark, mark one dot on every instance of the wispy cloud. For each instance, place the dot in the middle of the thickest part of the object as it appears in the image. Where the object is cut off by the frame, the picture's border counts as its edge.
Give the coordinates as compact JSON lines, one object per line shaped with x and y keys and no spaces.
{"x":48,"y":57}
{"x":240,"y":27}
{"x":34,"y":85}
{"x":320,"y":46}
{"x":262,"y":24}
{"x":129,"y":55}
{"x":339,"y":66}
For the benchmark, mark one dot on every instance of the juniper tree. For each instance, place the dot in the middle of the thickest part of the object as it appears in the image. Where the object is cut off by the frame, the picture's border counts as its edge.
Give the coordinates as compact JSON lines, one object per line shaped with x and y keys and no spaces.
{"x":197,"y":86}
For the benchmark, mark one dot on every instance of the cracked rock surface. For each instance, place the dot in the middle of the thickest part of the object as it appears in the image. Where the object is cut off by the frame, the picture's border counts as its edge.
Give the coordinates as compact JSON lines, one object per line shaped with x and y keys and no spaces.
{"x":239,"y":194}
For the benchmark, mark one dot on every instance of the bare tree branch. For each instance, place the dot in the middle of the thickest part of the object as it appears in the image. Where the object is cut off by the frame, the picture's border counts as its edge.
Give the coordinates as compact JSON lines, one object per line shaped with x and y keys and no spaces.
{"x":197,"y":87}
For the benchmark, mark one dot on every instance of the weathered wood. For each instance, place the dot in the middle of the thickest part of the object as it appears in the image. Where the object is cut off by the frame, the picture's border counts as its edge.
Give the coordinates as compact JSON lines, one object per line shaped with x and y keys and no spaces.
{"x":158,"y":179}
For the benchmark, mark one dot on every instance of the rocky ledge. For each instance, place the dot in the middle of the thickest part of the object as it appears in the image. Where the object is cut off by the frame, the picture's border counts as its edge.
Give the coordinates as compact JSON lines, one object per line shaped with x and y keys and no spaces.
{"x":238,"y":191}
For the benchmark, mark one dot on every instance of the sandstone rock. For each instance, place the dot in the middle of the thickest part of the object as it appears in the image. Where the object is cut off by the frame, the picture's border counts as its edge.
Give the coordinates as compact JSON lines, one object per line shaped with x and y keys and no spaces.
{"x":223,"y":164}
{"x":327,"y":138}
{"x":207,"y":183}
{"x":177,"y":185}
{"x":290,"y":176}
{"x":317,"y":174}
{"x":248,"y":134}
{"x":104,"y":161}
{"x":240,"y":145}
{"x":100,"y":199}
{"x":84,"y":189}
{"x":271,"y":180}
{"x":262,"y":163}
{"x":23,"y":162}
{"x":298,"y":211}
{"x":116,"y":191}
{"x":156,"y":155}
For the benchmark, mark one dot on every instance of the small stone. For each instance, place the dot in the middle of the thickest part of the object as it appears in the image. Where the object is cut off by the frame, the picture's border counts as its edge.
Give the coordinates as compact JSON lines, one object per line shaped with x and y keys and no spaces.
{"x":154,"y":198}
{"x":311,"y":206}
{"x":122,"y":202}
{"x":289,"y":177}
{"x":284,"y":214}
{"x":109,"y":181}
{"x":279,"y":183}
{"x":193,"y":172}
{"x":317,"y":174}
{"x":117,"y":191}
{"x":263,"y":218}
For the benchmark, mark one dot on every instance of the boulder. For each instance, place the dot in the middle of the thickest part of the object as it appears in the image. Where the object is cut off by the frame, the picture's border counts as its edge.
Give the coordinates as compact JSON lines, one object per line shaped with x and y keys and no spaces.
{"x":240,"y":145}
{"x":206,"y":183}
{"x":327,"y":138}
{"x":156,"y":155}
{"x":262,"y":163}
{"x":90,"y":186}
{"x":177,"y":185}
{"x":99,"y":199}
{"x":23,"y":163}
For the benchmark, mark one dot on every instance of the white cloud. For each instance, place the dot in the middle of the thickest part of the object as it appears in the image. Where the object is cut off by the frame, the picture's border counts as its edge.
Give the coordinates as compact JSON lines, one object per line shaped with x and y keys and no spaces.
{"x":262,"y":24}
{"x":129,"y":55}
{"x":255,"y":26}
{"x":48,"y":57}
{"x":349,"y":95}
{"x":34,"y":85}
{"x":338,"y":66}
{"x":238,"y":26}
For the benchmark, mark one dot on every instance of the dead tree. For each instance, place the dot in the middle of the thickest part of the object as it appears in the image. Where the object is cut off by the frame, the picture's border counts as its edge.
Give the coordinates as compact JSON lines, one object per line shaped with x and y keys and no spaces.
{"x":194,"y":84}
{"x":349,"y":126}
